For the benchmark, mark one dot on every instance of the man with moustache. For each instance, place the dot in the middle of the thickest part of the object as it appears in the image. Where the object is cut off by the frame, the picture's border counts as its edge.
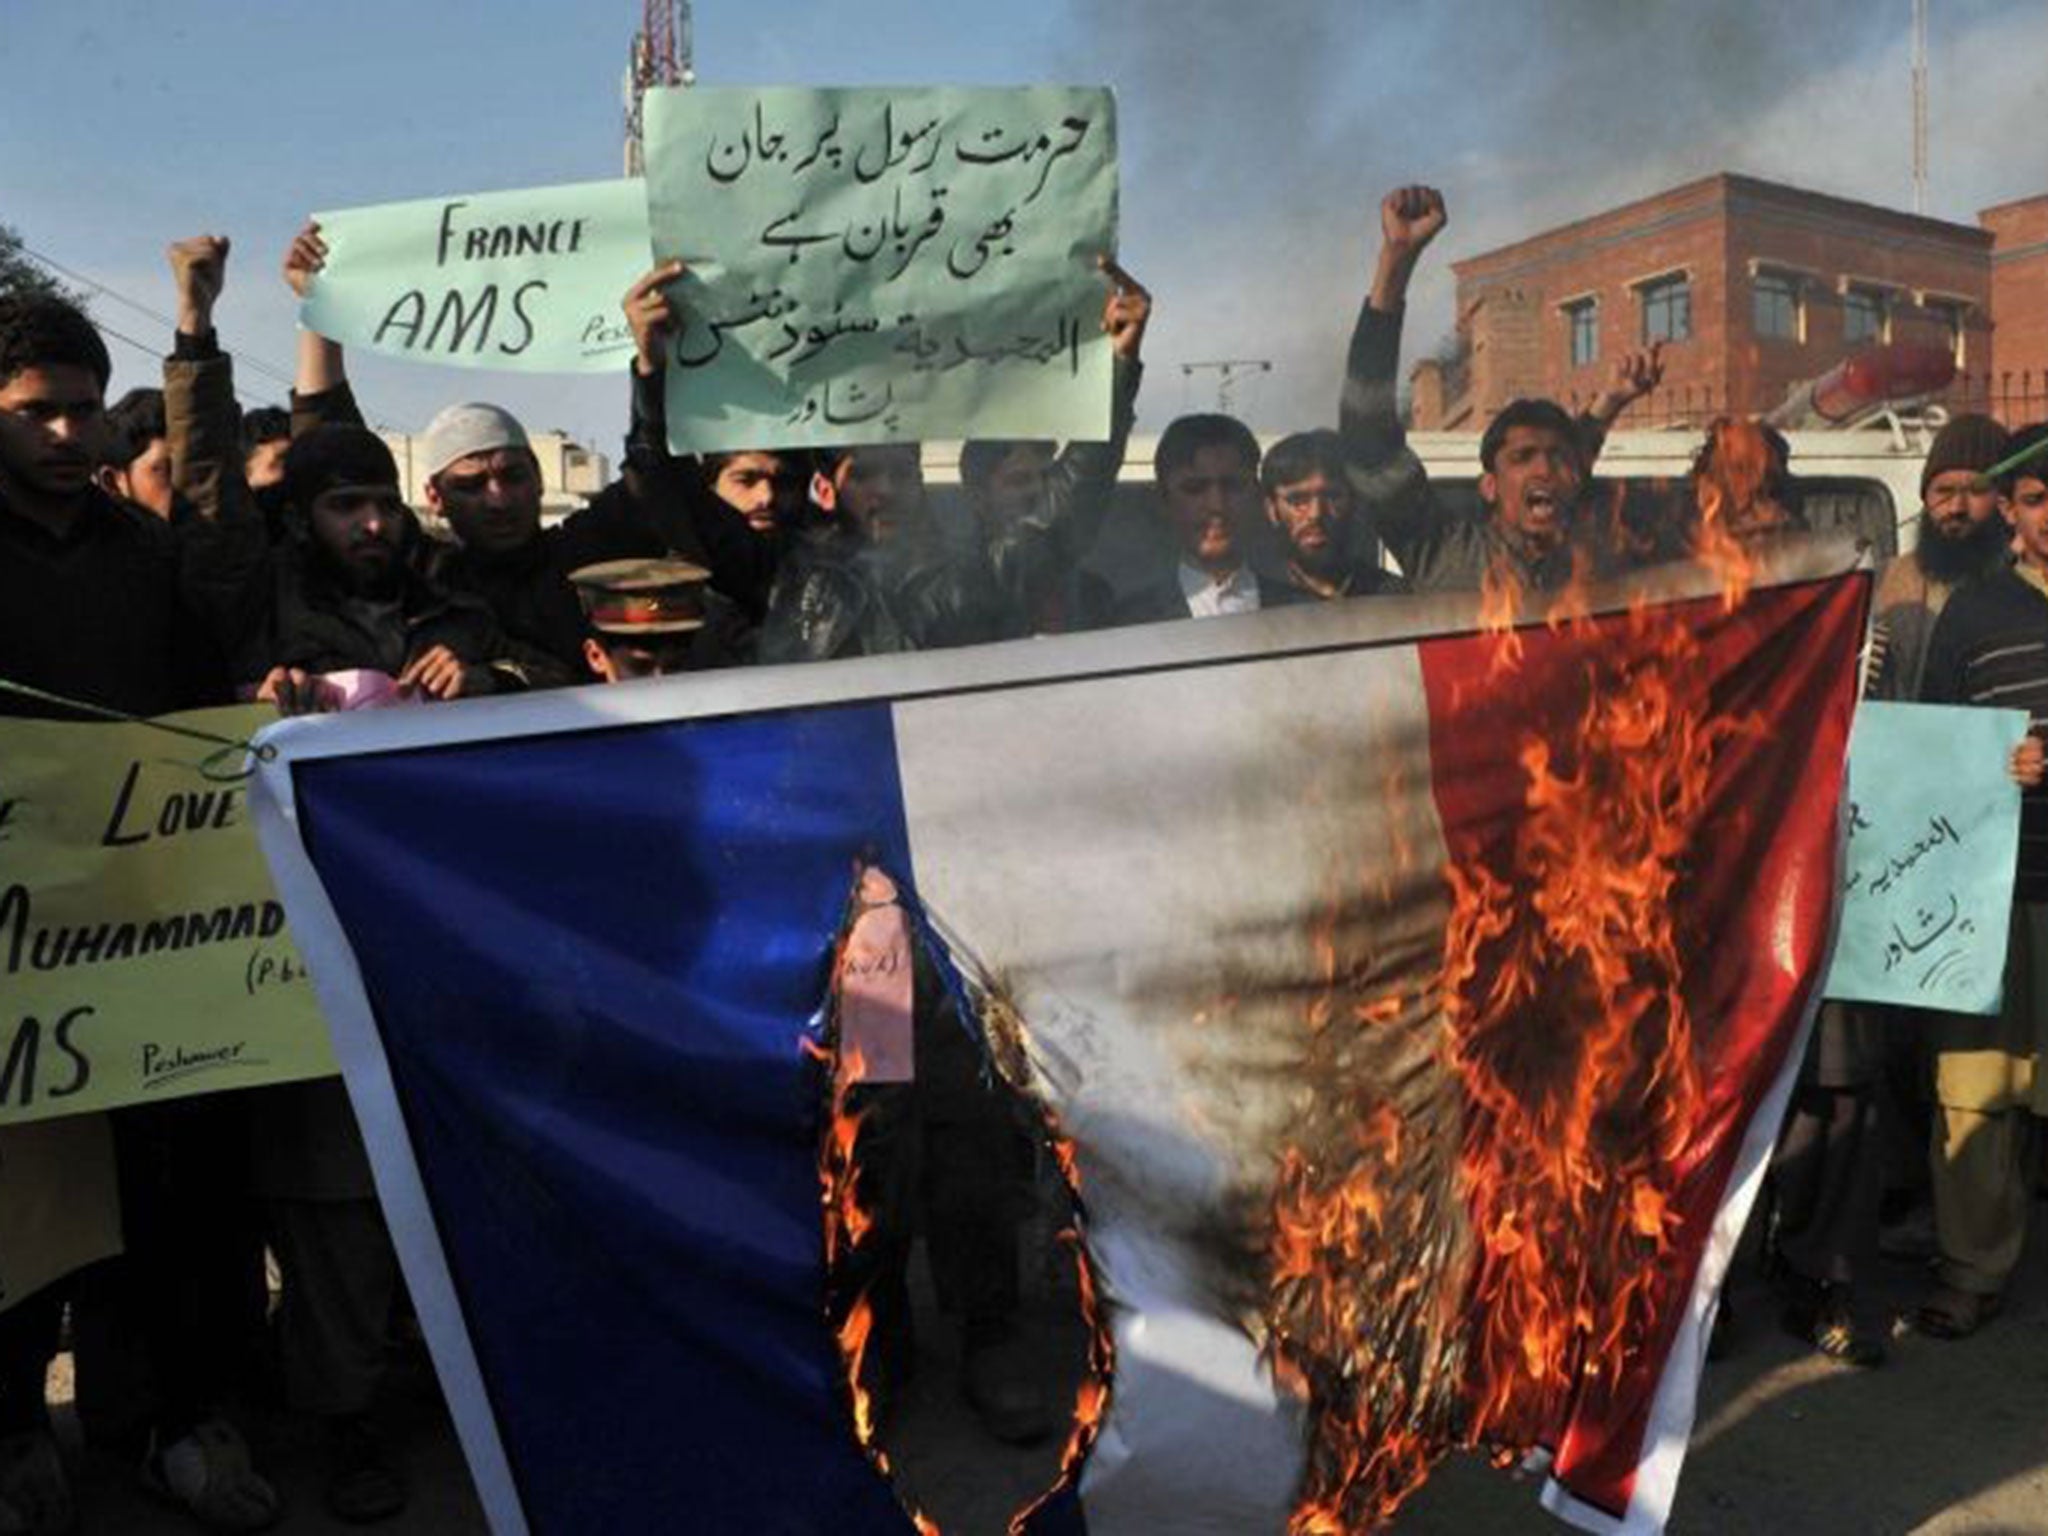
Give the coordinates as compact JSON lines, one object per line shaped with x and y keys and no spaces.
{"x":484,"y":480}
{"x":1535,"y":456}
{"x":1862,"y":1088}
{"x":1990,"y":648}
{"x":1207,"y":469}
{"x":1310,"y":505}
{"x":344,"y":596}
{"x":1959,"y":536}
{"x":869,"y":570}
{"x":103,"y":602}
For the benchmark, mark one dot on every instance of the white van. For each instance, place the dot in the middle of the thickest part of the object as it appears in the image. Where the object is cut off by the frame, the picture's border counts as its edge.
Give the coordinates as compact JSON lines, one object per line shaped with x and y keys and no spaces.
{"x":1864,"y":481}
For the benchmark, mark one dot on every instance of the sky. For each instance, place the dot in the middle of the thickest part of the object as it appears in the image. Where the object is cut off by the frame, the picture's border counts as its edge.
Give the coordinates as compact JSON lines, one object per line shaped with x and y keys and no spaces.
{"x":1255,"y":140}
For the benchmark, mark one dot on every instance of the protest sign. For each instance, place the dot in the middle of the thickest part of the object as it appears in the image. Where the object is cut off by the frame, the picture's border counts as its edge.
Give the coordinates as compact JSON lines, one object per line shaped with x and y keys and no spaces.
{"x":528,"y":280}
{"x":143,"y":952}
{"x":1934,"y":825}
{"x":884,"y":265}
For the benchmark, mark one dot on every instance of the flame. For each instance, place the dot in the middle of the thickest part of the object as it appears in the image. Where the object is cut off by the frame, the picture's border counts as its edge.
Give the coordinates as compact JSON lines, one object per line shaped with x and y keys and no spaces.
{"x":848,"y":1222}
{"x":1091,"y":1398}
{"x":1500,"y":604}
{"x":1736,"y":501}
{"x":1409,"y":1340}
{"x":1569,"y":1166}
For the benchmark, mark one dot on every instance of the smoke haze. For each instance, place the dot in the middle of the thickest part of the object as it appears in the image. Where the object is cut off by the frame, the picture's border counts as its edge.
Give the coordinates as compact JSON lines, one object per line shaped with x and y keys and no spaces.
{"x":1257,"y":142}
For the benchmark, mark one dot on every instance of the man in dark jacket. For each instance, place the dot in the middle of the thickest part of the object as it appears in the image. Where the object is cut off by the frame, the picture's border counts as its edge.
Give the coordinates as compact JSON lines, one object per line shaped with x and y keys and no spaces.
{"x":1990,"y":648}
{"x":1535,"y":457}
{"x":1207,"y":469}
{"x":340,"y":591}
{"x":1310,"y":505}
{"x":484,"y":479}
{"x":1959,"y":536}
{"x":344,"y":595}
{"x":871,"y":572}
{"x":99,"y":602}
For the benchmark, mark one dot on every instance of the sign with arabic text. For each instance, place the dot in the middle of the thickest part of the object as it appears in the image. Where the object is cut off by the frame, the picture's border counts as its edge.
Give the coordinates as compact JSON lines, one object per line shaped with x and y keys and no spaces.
{"x":528,"y":281}
{"x":143,"y":952}
{"x":1934,"y":825}
{"x":884,"y":265}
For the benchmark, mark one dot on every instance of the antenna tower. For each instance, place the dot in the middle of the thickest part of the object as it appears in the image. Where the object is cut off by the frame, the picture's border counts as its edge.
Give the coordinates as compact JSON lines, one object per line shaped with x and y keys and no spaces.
{"x":1919,"y":106}
{"x":662,"y":54}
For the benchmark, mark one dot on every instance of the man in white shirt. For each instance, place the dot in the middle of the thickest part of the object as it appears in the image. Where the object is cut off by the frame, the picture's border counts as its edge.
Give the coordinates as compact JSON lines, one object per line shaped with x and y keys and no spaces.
{"x":1207,"y":469}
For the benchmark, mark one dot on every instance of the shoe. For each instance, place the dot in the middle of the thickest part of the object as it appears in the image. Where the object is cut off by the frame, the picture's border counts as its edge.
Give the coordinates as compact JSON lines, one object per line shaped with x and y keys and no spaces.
{"x":1948,"y":1313}
{"x":995,"y":1381}
{"x":1825,"y":1317}
{"x":362,"y":1485}
{"x":208,"y":1474}
{"x":35,"y":1494}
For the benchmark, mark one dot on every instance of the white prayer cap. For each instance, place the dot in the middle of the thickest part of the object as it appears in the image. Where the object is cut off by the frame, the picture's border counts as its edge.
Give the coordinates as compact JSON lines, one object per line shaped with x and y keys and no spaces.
{"x":461,"y":430}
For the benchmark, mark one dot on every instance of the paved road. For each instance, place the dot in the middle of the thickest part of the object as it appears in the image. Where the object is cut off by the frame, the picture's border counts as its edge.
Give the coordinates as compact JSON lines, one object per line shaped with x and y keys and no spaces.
{"x":1946,"y":1438}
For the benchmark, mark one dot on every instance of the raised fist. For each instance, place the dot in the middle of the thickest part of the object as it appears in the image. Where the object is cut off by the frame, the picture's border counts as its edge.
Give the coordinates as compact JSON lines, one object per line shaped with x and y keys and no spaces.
{"x":1411,"y":217}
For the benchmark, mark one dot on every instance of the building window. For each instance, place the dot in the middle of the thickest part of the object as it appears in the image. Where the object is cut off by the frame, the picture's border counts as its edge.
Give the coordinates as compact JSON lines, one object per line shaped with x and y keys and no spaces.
{"x":1863,"y":316}
{"x":1774,"y":307}
{"x":1667,"y":310}
{"x":1582,"y":320}
{"x":1950,"y":316}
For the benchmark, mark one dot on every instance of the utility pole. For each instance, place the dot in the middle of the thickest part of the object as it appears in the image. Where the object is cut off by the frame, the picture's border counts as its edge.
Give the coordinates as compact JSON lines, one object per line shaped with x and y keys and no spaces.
{"x":1227,"y":370}
{"x":1919,"y":106}
{"x":662,"y":54}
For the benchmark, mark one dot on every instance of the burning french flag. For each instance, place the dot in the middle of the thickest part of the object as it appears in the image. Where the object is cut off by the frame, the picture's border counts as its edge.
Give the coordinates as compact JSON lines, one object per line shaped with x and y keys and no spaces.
{"x":1413,"y":1005}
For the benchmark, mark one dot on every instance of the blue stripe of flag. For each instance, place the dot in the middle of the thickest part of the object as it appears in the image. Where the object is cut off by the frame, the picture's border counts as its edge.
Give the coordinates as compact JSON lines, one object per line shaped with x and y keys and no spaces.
{"x":590,"y":958}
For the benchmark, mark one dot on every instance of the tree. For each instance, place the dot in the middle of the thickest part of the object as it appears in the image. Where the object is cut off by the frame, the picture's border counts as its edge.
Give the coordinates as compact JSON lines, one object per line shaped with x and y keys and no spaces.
{"x":21,"y":273}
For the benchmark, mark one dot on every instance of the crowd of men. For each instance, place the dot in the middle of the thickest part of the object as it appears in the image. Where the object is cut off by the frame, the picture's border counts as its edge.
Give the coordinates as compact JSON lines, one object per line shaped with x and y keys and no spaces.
{"x":174,"y":552}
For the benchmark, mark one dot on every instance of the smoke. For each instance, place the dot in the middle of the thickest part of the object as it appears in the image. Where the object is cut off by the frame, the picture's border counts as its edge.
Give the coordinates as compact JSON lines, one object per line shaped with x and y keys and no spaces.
{"x":1257,"y":141}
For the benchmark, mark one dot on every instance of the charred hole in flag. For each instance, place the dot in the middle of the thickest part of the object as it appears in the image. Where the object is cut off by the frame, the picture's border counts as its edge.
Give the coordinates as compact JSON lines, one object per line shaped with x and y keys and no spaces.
{"x":933,"y":1129}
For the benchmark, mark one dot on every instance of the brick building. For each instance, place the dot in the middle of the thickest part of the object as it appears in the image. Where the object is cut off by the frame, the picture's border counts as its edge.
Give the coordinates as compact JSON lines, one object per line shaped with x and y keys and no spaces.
{"x":1754,"y":287}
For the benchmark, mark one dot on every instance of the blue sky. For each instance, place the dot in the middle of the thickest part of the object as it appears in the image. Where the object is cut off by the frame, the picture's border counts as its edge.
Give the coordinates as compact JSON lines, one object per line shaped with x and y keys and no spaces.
{"x":1256,"y":138}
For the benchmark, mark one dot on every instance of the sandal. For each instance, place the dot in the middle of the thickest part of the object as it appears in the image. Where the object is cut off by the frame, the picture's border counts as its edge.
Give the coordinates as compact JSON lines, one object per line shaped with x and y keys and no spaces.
{"x":1823,"y":1315}
{"x":209,"y":1475}
{"x":1948,"y":1313}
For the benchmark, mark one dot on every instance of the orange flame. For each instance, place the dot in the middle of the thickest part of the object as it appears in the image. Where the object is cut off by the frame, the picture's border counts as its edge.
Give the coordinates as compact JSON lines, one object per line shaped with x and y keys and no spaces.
{"x":1568,"y":1186}
{"x":848,"y":1222}
{"x":1500,"y":604}
{"x":1736,"y":501}
{"x":1573,"y":1139}
{"x":1091,"y":1398}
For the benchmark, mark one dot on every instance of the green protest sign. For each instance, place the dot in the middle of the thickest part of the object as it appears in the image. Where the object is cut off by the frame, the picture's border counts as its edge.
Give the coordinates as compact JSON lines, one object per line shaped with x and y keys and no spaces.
{"x":143,"y":952}
{"x":1934,"y":826}
{"x":884,"y":265}
{"x":528,"y":281}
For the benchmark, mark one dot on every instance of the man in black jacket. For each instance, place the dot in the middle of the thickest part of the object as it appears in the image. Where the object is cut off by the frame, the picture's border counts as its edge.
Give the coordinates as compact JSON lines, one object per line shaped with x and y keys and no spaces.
{"x":869,"y":570}
{"x":344,"y":595}
{"x":101,"y":602}
{"x":484,"y":479}
{"x":1535,"y":457}
{"x":1990,"y":648}
{"x":1207,"y":469}
{"x":1310,"y":505}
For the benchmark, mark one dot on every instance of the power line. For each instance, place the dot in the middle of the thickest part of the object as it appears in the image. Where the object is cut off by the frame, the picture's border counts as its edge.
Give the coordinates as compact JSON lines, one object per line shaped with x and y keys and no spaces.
{"x":153,"y":352}
{"x":254,"y":365}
